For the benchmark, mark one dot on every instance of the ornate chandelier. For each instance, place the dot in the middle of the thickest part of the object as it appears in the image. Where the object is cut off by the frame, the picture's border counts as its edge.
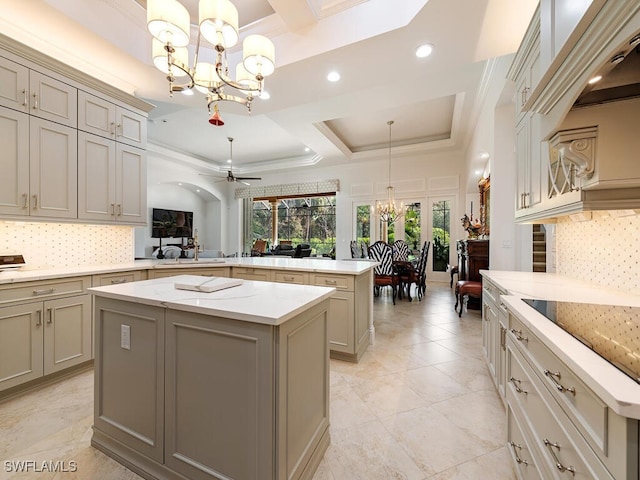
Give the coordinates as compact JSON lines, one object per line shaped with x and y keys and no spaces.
{"x":169,"y":23}
{"x":388,"y":212}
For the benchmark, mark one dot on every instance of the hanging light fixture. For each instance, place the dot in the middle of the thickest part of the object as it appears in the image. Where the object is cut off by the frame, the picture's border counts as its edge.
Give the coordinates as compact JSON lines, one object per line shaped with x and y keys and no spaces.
{"x":169,"y":23}
{"x":388,"y":212}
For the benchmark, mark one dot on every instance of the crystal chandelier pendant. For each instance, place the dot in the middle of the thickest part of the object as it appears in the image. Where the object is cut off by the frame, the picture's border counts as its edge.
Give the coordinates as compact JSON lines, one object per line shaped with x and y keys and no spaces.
{"x":388,"y":212}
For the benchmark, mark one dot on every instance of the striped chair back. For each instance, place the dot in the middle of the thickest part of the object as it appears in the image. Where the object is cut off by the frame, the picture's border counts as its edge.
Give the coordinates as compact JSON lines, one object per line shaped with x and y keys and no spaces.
{"x":365,"y":250}
{"x":382,"y":253}
{"x":400,"y":251}
{"x":355,"y":249}
{"x":424,"y":255}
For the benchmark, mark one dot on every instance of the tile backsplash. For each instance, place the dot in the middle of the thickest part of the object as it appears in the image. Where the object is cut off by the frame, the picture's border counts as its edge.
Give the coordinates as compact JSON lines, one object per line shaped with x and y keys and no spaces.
{"x":51,"y":245}
{"x":604,"y":250}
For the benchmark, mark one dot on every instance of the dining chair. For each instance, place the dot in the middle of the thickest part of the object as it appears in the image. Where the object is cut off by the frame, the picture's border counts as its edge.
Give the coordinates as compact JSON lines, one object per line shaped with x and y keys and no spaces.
{"x":356,"y":252}
{"x":415,"y":274}
{"x":365,"y":250}
{"x":384,"y":274}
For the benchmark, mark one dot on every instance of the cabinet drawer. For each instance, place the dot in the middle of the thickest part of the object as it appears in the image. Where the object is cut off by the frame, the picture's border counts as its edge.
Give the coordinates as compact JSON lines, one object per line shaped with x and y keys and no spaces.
{"x":19,"y":292}
{"x":115,"y":278}
{"x":251,"y":273}
{"x":340,"y":282}
{"x":583,"y":407}
{"x":301,"y":278}
{"x":562,"y":449}
{"x":202,"y":271}
{"x":491,"y":291}
{"x":519,"y":450}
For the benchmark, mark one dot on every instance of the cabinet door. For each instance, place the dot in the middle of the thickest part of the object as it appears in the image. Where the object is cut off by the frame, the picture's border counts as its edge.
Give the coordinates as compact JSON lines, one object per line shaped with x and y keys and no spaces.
{"x":67,"y":332}
{"x":341,"y":322}
{"x":96,"y":115}
{"x":131,"y":185}
{"x":131,"y":128}
{"x":14,"y":85}
{"x":530,"y":187}
{"x":96,"y":177}
{"x":53,"y":100}
{"x":54,"y":170}
{"x":20,"y":344}
{"x":14,"y":182}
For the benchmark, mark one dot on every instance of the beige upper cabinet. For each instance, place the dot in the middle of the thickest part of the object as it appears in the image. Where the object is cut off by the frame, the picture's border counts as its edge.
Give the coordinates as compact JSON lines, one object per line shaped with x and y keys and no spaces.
{"x":106,"y":119}
{"x":53,"y":190}
{"x":39,"y":167}
{"x":14,"y":85}
{"x":111,"y":181}
{"x":52,"y":99}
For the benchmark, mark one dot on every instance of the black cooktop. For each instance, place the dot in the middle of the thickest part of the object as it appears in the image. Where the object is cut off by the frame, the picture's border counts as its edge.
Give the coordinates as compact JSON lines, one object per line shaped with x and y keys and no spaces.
{"x":612,"y":331}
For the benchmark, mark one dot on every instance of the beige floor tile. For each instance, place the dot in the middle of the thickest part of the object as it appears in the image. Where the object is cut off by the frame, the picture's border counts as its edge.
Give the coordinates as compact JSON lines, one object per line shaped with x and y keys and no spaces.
{"x":368,"y":452}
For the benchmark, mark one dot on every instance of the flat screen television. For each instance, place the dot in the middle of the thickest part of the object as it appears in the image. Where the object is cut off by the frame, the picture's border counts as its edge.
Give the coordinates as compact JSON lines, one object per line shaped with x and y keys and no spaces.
{"x":171,"y":223}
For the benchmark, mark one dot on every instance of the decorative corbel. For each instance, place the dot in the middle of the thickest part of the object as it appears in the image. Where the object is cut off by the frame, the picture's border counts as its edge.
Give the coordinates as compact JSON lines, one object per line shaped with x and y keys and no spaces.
{"x":577,"y":147}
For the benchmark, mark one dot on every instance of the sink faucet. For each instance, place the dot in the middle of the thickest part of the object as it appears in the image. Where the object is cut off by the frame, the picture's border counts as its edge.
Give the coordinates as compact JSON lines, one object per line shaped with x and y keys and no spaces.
{"x":196,"y":246}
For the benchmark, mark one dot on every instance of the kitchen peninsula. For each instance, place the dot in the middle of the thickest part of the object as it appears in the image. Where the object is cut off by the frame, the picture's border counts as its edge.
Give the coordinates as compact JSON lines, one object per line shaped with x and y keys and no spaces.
{"x":228,"y":384}
{"x":46,"y":316}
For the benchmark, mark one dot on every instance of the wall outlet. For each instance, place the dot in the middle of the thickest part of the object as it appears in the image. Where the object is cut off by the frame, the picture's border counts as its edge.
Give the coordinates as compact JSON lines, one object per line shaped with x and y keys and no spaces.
{"x":125,"y":337}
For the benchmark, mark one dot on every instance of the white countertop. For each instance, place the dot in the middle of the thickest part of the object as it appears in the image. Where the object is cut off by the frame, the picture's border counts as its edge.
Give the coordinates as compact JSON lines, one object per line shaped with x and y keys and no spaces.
{"x":616,"y":389}
{"x":252,"y":301}
{"x":346,"y":267}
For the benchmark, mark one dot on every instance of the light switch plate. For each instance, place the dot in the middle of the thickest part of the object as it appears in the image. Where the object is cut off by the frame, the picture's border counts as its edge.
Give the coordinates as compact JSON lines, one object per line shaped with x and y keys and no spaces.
{"x":125,"y":337}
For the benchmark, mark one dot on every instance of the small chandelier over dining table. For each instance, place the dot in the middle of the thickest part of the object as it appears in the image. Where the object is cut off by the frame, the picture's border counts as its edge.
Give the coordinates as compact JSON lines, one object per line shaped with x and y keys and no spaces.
{"x":169,"y":23}
{"x":389,"y":212}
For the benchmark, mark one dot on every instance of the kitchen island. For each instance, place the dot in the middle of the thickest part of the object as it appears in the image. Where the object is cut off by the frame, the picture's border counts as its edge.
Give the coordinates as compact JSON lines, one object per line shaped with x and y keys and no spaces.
{"x":228,"y":384}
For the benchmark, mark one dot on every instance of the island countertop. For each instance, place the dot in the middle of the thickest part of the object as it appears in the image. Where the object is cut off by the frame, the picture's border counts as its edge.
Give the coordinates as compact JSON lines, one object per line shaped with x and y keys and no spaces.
{"x":252,"y":301}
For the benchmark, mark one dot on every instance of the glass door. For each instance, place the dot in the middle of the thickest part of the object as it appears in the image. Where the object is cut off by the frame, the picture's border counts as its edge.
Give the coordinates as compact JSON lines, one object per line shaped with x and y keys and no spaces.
{"x":439,"y":232}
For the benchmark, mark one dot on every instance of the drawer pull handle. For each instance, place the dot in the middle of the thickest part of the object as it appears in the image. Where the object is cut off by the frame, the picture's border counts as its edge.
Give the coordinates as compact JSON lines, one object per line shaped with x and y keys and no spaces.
{"x":26,"y":200}
{"x":50,"y":312}
{"x":517,"y":447}
{"x":555,"y":377}
{"x":25,"y":100}
{"x":330,"y":282}
{"x":39,"y":319}
{"x":518,"y":335}
{"x":289,"y":279}
{"x":516,"y":384}
{"x":550,"y":446}
{"x":44,"y":291}
{"x":35,"y":101}
{"x":116,"y":281}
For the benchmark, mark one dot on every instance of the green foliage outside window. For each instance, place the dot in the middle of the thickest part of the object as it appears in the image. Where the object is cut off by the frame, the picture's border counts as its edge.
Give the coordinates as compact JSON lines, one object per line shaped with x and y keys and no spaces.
{"x":309,"y":220}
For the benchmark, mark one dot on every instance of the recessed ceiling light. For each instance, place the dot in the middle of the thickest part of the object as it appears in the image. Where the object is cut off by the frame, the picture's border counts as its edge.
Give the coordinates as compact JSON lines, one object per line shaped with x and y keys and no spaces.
{"x":333,"y":76}
{"x":265,"y":95}
{"x":484,"y":155}
{"x":478,"y":172}
{"x":187,"y":91}
{"x":179,"y":183}
{"x":198,"y":190}
{"x":307,"y":149}
{"x":424,"y":50}
{"x":595,"y":79}
{"x":229,"y":161}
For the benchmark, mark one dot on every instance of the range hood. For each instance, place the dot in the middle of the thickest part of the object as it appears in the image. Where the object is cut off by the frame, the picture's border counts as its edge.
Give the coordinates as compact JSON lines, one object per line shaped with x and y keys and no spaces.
{"x":620,"y":78}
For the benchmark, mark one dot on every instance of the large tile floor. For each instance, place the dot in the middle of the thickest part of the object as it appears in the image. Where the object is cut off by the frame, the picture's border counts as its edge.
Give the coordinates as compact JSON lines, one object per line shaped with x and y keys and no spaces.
{"x":419,"y":405}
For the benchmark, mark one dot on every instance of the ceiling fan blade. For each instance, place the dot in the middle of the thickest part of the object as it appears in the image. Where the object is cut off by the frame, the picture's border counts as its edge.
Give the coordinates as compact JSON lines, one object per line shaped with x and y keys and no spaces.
{"x":248,"y":178}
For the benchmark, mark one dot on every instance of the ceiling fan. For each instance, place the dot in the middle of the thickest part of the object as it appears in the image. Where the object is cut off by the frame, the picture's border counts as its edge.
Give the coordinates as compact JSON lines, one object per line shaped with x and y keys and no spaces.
{"x":230,"y":176}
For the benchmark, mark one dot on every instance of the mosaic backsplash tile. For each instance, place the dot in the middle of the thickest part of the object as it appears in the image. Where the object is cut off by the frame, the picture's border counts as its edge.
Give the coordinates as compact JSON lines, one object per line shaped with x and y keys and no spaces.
{"x":603,"y":250}
{"x":612,"y":331}
{"x":51,"y":245}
